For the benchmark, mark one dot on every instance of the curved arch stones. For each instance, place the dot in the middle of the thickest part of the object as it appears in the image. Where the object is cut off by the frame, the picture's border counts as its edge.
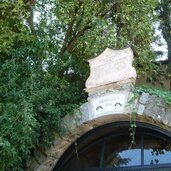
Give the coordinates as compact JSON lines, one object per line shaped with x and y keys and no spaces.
{"x":111,"y":99}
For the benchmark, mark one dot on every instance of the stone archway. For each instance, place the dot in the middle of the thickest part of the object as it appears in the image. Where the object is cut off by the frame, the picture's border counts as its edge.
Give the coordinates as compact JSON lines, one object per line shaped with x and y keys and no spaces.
{"x":47,"y":160}
{"x":110,"y":88}
{"x":96,"y":148}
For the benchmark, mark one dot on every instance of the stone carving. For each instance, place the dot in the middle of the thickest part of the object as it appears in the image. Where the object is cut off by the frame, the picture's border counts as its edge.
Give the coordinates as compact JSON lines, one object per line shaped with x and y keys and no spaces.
{"x":111,"y":66}
{"x":108,"y":103}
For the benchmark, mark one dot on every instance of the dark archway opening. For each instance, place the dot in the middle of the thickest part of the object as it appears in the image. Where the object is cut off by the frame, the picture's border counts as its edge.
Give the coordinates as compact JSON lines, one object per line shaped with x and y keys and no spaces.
{"x":108,"y":148}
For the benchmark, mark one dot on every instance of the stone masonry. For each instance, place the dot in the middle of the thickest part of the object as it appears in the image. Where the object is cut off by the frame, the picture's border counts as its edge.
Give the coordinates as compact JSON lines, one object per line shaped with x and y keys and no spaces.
{"x":111,"y":98}
{"x":149,"y":108}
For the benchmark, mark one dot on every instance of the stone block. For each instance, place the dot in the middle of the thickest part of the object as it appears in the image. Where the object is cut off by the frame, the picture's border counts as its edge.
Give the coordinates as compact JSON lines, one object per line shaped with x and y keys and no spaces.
{"x":155,"y":112}
{"x":144,"y":98}
{"x":70,"y":122}
{"x":32,"y":165}
{"x":40,"y":155}
{"x":168,"y":116}
{"x":43,"y":168}
{"x":84,"y":109}
{"x":156,"y":101}
{"x":109,"y":103}
{"x":111,"y":66}
{"x":140,"y":109}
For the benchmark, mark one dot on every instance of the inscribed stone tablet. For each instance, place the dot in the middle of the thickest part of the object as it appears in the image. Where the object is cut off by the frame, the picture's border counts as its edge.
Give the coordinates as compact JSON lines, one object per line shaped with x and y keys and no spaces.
{"x":113,"y":103}
{"x":111,"y":66}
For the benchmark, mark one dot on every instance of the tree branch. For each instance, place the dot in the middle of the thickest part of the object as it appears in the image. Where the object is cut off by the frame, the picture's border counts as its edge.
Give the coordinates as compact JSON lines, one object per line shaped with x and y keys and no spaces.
{"x":29,"y":5}
{"x":75,"y":38}
{"x":67,"y":35}
{"x":70,"y":28}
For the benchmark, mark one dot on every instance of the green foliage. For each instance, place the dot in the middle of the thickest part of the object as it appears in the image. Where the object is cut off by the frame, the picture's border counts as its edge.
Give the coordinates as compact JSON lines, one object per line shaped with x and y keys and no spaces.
{"x":43,"y":63}
{"x":31,"y":107}
{"x":87,"y":32}
{"x":132,"y":128}
{"x":17,"y":119}
{"x":166,"y":95}
{"x":33,"y":97}
{"x":164,"y":13}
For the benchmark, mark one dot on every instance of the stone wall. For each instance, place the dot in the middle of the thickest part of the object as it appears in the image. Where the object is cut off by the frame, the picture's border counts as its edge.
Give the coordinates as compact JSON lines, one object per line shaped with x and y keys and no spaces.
{"x":155,"y":107}
{"x":149,"y":108}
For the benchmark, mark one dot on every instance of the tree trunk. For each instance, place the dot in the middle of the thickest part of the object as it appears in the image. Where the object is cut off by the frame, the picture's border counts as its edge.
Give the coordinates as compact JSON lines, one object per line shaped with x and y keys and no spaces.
{"x":165,"y":25}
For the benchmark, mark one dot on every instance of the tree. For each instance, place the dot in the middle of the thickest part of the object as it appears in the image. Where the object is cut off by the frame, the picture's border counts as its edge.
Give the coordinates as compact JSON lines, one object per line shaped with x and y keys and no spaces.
{"x":43,"y":63}
{"x":164,"y":12}
{"x":33,"y":99}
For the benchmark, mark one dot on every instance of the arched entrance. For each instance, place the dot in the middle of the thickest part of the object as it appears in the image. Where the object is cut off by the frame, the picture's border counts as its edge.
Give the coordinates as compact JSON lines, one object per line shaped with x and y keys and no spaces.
{"x":108,"y":148}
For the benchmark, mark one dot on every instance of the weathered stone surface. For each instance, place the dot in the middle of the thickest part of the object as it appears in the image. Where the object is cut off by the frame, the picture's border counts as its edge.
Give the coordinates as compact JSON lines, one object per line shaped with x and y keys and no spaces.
{"x":157,"y":101}
{"x":155,"y":112}
{"x":166,"y":119}
{"x":125,"y":85}
{"x":155,"y":107}
{"x":44,"y":168}
{"x":168,"y":115}
{"x":40,"y":156}
{"x":144,"y":98}
{"x":140,"y":109}
{"x":33,"y":165}
{"x":111,"y":66}
{"x":168,"y":111}
{"x":72,"y":121}
{"x":84,"y":108}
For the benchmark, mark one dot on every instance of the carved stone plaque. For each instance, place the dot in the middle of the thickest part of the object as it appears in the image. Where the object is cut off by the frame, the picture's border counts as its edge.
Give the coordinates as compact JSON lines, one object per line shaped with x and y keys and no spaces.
{"x":112,"y":103}
{"x":111,"y":66}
